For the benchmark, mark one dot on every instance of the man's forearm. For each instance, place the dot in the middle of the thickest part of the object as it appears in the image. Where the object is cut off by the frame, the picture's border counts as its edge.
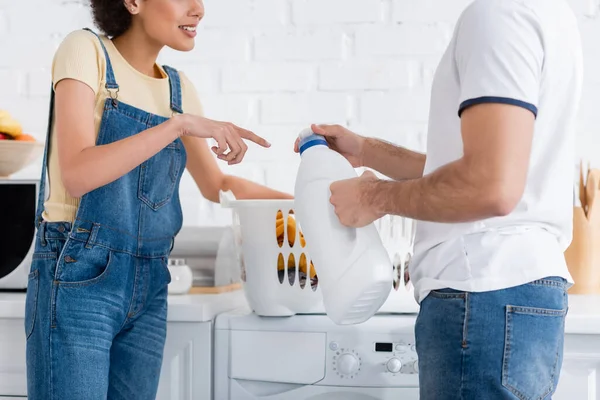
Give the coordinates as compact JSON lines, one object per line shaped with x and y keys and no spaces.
{"x":393,"y":161}
{"x":452,"y":194}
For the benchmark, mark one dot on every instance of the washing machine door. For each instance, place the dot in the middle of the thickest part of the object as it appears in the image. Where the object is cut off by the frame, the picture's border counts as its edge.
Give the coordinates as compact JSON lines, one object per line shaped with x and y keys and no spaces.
{"x":247,"y":390}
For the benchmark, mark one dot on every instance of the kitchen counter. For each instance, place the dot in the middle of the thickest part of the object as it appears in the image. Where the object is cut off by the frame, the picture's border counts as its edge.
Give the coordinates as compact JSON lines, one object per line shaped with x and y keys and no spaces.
{"x":583,"y":316}
{"x":182,"y":308}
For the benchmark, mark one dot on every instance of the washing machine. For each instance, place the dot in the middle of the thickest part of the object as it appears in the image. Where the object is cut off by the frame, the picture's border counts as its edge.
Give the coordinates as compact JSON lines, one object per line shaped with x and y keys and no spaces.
{"x":308,"y":357}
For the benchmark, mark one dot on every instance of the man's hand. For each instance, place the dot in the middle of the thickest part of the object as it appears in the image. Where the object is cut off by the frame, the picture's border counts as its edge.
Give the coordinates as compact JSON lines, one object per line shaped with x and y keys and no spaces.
{"x":352,"y":199}
{"x":340,"y":139}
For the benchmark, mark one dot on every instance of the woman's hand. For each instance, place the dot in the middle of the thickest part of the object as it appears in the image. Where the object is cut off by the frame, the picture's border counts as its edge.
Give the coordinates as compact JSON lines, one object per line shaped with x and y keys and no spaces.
{"x":347,"y":143}
{"x":227,"y":135}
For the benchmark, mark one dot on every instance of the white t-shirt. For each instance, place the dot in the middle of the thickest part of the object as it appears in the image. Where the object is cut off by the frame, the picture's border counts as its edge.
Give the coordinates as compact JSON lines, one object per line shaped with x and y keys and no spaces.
{"x":526,"y":53}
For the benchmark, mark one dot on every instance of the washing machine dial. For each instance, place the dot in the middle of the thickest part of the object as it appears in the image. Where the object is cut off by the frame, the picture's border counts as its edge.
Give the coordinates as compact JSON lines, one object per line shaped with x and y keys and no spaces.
{"x":348,"y":363}
{"x":394,"y":365}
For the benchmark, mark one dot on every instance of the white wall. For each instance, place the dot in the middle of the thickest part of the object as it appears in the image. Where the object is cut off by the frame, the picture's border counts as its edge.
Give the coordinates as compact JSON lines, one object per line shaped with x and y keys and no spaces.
{"x":276,"y":66}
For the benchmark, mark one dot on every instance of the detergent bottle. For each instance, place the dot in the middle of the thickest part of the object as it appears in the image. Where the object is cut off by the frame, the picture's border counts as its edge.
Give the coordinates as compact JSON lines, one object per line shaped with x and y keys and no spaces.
{"x":354,"y":269}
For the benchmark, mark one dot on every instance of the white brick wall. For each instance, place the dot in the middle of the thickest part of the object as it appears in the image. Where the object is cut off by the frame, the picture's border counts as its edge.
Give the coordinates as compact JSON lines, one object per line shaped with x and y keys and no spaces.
{"x":275,"y":66}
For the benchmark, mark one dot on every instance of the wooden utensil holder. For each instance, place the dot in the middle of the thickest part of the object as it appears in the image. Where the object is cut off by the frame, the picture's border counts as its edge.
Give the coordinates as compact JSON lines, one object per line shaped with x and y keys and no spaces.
{"x":583,"y":255}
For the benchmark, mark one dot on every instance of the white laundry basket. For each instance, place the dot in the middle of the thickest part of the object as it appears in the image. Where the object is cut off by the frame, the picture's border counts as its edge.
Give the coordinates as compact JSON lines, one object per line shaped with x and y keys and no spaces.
{"x":271,"y":291}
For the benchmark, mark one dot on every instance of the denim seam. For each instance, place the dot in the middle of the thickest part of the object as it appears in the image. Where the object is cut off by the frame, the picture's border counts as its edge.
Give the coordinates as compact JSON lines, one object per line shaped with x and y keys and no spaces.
{"x":441,"y":295}
{"x":464,"y":345}
{"x":548,"y":282}
{"x":126,"y":318}
{"x":535,"y":311}
{"x":33,"y":313}
{"x":145,"y":286}
{"x":122,"y":251}
{"x":131,"y":311}
{"x":109,"y":107}
{"x":164,"y":264}
{"x":51,"y":362}
{"x":121,"y":231}
{"x":465,"y":321}
{"x":143,"y":196}
{"x":55,"y":284}
{"x":44,"y":256}
{"x":92,"y":236}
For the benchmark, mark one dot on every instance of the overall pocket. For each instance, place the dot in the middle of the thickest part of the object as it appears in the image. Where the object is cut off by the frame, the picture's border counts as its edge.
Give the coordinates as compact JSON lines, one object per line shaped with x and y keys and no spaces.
{"x":158,"y":176}
{"x":164,"y":261}
{"x":42,"y":262}
{"x":31,"y":301}
{"x":532,"y":351}
{"x":80,"y":266}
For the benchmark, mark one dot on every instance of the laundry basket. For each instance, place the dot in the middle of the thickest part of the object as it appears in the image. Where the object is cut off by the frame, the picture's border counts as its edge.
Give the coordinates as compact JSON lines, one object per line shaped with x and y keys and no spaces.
{"x":277,"y":273}
{"x":276,"y":269}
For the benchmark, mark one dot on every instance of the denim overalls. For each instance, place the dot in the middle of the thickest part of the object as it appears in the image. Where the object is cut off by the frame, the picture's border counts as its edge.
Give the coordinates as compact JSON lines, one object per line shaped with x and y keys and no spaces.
{"x":96,"y":306}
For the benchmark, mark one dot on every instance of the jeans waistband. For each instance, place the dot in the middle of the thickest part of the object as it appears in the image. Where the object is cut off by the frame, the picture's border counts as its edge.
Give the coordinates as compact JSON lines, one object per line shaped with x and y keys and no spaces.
{"x":95,"y":234}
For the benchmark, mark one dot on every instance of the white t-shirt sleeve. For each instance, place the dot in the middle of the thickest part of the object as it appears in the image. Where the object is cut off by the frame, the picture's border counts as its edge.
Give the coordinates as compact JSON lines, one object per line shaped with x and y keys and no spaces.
{"x":499,"y":55}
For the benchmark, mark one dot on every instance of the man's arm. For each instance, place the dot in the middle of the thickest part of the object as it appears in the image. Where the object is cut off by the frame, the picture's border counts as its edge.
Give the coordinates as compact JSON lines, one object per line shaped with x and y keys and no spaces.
{"x":393,"y":161}
{"x":487,"y":181}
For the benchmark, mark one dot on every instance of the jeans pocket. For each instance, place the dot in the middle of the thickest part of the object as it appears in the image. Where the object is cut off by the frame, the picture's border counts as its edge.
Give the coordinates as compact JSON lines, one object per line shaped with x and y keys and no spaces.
{"x":80,"y":266}
{"x":164,"y":262}
{"x":31,"y":301}
{"x":532,"y":351}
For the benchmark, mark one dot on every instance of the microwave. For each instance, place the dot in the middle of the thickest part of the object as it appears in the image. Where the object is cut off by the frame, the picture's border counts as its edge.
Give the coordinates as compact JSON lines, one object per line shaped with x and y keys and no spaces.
{"x":18,"y":202}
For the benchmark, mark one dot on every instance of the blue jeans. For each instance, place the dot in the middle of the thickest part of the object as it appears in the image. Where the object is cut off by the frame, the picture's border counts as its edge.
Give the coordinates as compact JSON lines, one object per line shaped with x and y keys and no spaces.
{"x":505,"y":344}
{"x":95,"y":321}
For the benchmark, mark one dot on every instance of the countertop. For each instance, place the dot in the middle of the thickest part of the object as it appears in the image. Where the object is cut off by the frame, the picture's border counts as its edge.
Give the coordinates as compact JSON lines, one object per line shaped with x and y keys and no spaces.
{"x":182,"y":308}
{"x":583,"y":316}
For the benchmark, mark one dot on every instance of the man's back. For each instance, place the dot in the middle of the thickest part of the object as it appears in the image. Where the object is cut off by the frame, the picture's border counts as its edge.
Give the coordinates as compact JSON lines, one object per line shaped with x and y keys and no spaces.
{"x":525,"y":53}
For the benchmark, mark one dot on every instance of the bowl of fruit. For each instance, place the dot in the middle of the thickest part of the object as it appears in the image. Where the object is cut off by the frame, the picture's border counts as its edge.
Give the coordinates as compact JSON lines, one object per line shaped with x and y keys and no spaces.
{"x":17,"y":149}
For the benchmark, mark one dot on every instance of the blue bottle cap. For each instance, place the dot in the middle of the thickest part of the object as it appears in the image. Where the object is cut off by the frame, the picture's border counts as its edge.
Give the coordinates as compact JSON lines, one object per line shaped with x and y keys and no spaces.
{"x":309,"y":139}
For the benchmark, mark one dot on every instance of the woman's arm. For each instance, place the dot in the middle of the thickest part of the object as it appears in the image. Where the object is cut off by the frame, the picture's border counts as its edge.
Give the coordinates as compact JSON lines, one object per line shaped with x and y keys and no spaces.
{"x":85,"y":166}
{"x":210,"y":179}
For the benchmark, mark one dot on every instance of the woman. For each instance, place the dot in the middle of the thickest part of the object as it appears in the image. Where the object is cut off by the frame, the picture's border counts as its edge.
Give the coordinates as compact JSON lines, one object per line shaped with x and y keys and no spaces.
{"x":122,"y":129}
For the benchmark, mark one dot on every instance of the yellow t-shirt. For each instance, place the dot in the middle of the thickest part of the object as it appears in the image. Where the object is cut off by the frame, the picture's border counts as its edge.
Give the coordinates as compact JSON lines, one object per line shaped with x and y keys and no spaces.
{"x":80,"y":56}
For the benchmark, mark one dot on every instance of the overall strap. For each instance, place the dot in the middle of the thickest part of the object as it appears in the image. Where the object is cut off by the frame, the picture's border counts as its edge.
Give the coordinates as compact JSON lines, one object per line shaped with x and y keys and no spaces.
{"x":111,"y":82}
{"x":175,"y":84}
{"x":43,"y":184}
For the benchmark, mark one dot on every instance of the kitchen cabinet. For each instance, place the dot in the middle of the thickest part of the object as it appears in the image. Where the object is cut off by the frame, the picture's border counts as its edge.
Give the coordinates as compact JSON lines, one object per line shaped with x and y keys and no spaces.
{"x":13,"y":378}
{"x":581,"y":369}
{"x":186,"y":372}
{"x":187,"y":363}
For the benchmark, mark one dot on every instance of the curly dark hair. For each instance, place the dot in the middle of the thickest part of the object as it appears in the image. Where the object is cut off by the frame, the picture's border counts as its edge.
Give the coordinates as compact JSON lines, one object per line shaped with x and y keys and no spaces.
{"x":111,"y":16}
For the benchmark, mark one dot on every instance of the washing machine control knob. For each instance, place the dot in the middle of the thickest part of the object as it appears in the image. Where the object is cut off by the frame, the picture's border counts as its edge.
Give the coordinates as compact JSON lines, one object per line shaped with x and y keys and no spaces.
{"x":348,"y":364}
{"x":394,"y":365}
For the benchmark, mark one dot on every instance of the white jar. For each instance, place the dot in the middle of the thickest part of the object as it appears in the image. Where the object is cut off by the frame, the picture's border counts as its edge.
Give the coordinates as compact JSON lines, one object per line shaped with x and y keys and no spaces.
{"x":181,"y":276}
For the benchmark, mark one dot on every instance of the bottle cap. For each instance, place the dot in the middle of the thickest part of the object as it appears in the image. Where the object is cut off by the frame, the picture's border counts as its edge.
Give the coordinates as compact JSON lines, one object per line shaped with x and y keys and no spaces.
{"x":309,"y":139}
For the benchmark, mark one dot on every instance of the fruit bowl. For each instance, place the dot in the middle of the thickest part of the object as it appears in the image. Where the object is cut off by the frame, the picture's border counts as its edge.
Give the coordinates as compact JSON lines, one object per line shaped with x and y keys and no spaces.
{"x":18,"y":154}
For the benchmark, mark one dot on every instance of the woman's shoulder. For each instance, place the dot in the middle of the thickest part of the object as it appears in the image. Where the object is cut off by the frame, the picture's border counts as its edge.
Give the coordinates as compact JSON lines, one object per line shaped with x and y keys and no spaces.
{"x":79,"y":56}
{"x":80,"y":41}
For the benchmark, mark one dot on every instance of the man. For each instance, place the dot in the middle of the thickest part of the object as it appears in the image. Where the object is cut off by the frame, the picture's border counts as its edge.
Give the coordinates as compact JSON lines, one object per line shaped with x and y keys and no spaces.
{"x":493,"y":197}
